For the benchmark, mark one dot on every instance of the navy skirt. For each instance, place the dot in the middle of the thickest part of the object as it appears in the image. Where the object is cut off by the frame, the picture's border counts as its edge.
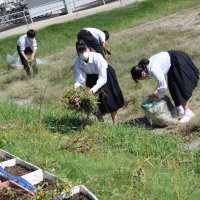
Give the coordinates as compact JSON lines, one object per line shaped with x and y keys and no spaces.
{"x":110,"y":94}
{"x":183,"y":77}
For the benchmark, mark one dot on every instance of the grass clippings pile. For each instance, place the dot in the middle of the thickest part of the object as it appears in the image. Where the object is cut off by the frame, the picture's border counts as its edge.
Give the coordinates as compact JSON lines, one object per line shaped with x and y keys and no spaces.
{"x":79,"y":100}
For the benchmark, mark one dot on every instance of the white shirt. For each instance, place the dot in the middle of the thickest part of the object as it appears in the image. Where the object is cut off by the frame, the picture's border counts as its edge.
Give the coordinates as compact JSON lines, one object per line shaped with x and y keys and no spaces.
{"x":98,"y":34}
{"x":96,"y":65}
{"x":24,"y":42}
{"x":158,"y":67}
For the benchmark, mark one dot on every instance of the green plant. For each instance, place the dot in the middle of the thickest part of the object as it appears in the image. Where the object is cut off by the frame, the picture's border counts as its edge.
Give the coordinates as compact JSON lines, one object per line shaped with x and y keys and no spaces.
{"x":13,"y":193}
{"x":79,"y":100}
{"x":50,"y":189}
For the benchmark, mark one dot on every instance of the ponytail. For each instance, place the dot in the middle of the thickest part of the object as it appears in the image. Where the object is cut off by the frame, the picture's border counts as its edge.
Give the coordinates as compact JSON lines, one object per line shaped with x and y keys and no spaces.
{"x":143,"y":63}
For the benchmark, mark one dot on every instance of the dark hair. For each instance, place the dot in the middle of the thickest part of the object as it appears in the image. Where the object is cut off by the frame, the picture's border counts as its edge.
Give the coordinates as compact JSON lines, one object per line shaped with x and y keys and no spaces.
{"x":143,"y":63}
{"x":136,"y":71}
{"x":81,"y":46}
{"x":106,"y":34}
{"x":31,"y":33}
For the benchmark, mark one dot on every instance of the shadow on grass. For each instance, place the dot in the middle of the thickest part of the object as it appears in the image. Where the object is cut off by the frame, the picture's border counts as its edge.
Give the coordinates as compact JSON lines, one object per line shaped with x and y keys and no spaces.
{"x":139,"y":122}
{"x":66,"y":124}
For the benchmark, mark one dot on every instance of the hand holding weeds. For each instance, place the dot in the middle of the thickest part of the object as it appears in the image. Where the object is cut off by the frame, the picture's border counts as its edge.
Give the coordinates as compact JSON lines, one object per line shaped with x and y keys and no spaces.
{"x":154,"y":97}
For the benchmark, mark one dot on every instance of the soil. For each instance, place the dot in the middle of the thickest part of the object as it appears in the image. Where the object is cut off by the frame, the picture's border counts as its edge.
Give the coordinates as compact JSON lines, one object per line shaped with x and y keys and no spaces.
{"x":48,"y":188}
{"x":47,"y":184}
{"x":2,"y":178}
{"x":13,"y":194}
{"x":18,"y":170}
{"x":78,"y":196}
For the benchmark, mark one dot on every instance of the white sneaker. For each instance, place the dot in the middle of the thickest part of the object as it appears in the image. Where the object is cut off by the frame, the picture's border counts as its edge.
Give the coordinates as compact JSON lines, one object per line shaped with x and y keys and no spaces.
{"x":179,"y":110}
{"x":189,"y":113}
{"x":187,"y":116}
{"x":185,"y":119}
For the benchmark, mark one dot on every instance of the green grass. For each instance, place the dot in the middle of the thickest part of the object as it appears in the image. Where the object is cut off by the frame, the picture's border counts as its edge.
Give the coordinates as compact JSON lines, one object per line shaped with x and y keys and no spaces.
{"x":49,"y":41}
{"x":115,"y":162}
{"x":10,"y":111}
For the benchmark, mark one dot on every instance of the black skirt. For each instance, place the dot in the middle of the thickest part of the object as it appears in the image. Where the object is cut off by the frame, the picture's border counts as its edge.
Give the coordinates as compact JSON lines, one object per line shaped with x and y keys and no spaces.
{"x":91,"y":41}
{"x":183,"y":77}
{"x":110,"y":94}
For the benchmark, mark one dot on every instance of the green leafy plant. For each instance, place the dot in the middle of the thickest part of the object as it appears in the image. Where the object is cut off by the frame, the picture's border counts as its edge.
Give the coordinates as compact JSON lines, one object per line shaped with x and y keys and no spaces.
{"x":79,"y":100}
{"x":13,"y":193}
{"x":52,"y":189}
{"x":2,"y":158}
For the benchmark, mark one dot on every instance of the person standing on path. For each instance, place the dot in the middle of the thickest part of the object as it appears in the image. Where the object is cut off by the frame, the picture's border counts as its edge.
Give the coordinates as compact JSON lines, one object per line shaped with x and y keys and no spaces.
{"x":95,"y":38}
{"x":92,"y":70}
{"x":26,"y":47}
{"x":182,"y":75}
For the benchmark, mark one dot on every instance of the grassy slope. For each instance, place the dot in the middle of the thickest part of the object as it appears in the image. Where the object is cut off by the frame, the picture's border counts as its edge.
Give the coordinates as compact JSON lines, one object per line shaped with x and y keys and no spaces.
{"x":115,"y":162}
{"x":49,"y":41}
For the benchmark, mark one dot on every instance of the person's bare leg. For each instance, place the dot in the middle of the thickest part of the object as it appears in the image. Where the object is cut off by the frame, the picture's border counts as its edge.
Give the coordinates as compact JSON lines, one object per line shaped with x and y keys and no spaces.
{"x":185,"y":105}
{"x":114,"y":117}
{"x":100,"y":118}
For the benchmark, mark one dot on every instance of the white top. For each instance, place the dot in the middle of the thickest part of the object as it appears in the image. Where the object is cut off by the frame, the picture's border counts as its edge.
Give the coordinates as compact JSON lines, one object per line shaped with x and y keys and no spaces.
{"x":98,"y":34}
{"x":24,"y":42}
{"x":96,"y":65}
{"x":158,"y":67}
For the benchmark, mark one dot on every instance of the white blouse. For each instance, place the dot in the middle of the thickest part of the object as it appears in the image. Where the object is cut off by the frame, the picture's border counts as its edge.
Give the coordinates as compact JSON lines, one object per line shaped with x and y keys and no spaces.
{"x":158,"y":67}
{"x":96,"y":65}
{"x":24,"y":42}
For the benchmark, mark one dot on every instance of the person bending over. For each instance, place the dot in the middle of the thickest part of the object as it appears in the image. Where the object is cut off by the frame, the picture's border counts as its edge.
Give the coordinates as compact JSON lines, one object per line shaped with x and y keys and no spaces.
{"x":95,"y":38}
{"x":26,"y":47}
{"x":92,"y":70}
{"x":182,"y":77}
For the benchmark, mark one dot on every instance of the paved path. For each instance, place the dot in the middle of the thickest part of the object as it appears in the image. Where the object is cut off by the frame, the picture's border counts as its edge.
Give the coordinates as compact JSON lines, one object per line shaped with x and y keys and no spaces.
{"x":64,"y":18}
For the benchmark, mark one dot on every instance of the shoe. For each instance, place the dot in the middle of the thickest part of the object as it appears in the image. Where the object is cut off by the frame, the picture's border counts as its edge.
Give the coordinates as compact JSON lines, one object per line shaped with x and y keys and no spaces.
{"x":185,"y":119}
{"x":189,"y":113}
{"x":187,"y":116}
{"x":180,"y":110}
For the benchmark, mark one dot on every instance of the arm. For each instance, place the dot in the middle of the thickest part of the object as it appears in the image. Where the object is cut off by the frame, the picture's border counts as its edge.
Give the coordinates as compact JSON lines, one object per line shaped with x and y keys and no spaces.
{"x":104,"y":47}
{"x":33,"y":55}
{"x":106,"y":51}
{"x":161,"y":82}
{"x":34,"y":48}
{"x":79,"y":74}
{"x":25,"y":57}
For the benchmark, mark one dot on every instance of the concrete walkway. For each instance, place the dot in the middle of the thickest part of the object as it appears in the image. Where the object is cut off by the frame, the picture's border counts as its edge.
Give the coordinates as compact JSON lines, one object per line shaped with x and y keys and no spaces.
{"x":65,"y":18}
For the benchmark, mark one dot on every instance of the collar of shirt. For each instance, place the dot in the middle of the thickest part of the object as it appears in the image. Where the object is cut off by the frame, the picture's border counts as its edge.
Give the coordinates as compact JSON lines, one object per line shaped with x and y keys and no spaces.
{"x":89,"y":60}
